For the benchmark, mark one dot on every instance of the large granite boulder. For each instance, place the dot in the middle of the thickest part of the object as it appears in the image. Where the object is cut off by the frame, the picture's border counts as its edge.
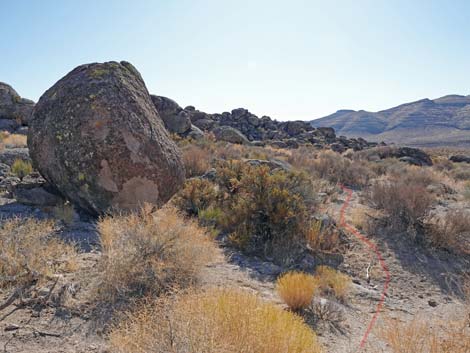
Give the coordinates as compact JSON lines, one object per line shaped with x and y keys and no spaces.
{"x":14,"y":110}
{"x":175,"y":118}
{"x":97,"y":138}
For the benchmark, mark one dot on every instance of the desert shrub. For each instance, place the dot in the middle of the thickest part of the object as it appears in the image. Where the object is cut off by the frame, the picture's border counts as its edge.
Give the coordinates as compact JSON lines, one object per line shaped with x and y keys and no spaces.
{"x":319,"y":238}
{"x":462,"y":172}
{"x":264,"y":211}
{"x":337,"y":169}
{"x":442,"y":164}
{"x":195,"y":196}
{"x":222,"y":321}
{"x":466,"y":190}
{"x":420,"y":335}
{"x":64,"y":212}
{"x":296,"y":289}
{"x":148,"y":253}
{"x":451,"y":232}
{"x":21,"y":168}
{"x":326,"y":311}
{"x":405,"y":203}
{"x":268,"y":209}
{"x":333,"y":282}
{"x":197,"y":160}
{"x":30,"y":252}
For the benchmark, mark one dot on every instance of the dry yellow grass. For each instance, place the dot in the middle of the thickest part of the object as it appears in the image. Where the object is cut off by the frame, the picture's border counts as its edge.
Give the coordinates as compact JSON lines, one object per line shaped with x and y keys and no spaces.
{"x":296,"y":289}
{"x":215,"y":321}
{"x":333,"y":282}
{"x":149,"y":253}
{"x":319,"y":239}
{"x":30,"y":252}
{"x":15,"y":141}
{"x":420,"y":335}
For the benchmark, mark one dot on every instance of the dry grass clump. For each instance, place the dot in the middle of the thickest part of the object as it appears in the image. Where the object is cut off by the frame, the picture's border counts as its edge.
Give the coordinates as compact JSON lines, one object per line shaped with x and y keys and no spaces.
{"x":14,"y":141}
{"x":196,"y":159}
{"x":31,"y":253}
{"x":324,"y":239}
{"x":337,"y":169}
{"x":404,"y":202}
{"x":421,"y":336}
{"x":149,"y":253}
{"x":333,"y":282}
{"x":451,"y":232}
{"x":21,"y":168}
{"x":222,"y":321}
{"x":296,"y":289}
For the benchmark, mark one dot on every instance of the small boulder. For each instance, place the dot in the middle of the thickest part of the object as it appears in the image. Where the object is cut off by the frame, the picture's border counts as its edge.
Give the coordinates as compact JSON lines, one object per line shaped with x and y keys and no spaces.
{"x":230,"y":134}
{"x":176,"y":120}
{"x":97,"y":138}
{"x":459,"y":158}
{"x":13,"y":107}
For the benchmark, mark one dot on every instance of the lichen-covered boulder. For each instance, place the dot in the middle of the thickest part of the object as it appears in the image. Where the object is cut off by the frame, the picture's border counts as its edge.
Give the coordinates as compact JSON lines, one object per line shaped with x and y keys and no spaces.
{"x":96,"y":136}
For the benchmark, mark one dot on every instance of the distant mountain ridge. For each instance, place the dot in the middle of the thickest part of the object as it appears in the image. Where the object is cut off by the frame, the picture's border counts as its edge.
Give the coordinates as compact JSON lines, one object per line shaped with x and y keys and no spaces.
{"x":443,"y":121}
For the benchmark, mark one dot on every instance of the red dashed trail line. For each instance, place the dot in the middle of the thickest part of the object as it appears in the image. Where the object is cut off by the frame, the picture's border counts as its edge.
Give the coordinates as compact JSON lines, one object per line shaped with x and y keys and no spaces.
{"x":373,"y":247}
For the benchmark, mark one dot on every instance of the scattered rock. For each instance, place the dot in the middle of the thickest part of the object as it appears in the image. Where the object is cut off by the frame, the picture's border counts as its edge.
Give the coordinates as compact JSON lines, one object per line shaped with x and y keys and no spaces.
{"x":432,"y":303}
{"x":96,"y":137}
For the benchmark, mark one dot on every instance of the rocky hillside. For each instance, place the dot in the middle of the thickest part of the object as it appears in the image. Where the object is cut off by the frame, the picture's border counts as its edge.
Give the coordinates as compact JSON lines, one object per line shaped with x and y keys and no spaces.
{"x":440,"y":122}
{"x":241,"y":126}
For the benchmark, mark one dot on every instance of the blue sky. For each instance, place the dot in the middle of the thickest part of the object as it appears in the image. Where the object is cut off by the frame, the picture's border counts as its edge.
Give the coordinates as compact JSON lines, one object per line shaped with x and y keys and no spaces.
{"x":286,"y":59}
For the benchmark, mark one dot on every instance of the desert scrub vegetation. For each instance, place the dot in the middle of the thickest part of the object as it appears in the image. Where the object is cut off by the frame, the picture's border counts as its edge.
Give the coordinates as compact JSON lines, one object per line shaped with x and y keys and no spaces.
{"x":197,"y":160}
{"x":222,"y":321}
{"x":264,"y":211}
{"x":149,"y":253}
{"x":21,"y":168}
{"x":335,"y":168}
{"x":332,"y":282}
{"x":30,"y":253}
{"x":420,"y":335}
{"x":450,"y":231}
{"x":296,"y":289}
{"x":405,"y":202}
{"x":322,"y":238}
{"x":196,"y":196}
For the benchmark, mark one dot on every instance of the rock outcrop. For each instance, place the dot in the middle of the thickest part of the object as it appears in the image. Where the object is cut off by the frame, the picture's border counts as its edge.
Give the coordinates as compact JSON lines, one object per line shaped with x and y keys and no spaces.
{"x":241,"y":126}
{"x":14,"y":110}
{"x":97,"y":138}
{"x":460,"y":158}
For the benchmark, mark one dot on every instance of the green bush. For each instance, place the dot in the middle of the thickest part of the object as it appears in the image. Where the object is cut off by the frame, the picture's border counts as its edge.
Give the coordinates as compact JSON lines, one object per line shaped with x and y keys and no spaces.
{"x":197,"y":195}
{"x":264,"y":211}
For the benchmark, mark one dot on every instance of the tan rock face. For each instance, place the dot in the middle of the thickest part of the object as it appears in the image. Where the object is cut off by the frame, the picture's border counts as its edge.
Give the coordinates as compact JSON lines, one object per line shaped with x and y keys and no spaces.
{"x":97,"y":137}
